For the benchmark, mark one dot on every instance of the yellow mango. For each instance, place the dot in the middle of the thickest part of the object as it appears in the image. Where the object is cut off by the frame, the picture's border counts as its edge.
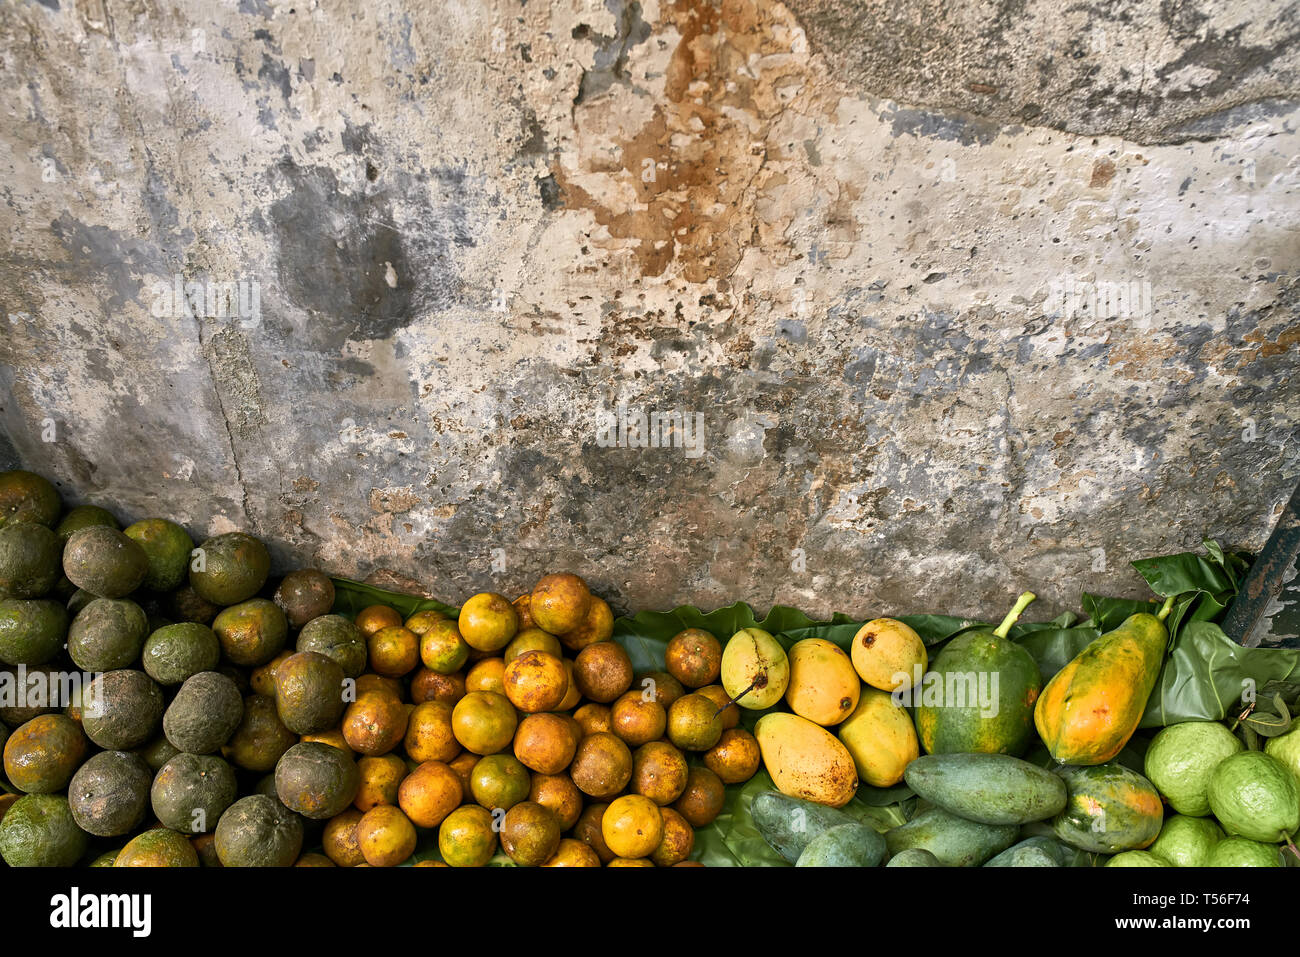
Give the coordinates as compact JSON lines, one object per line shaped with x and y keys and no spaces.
{"x":805,"y":760}
{"x":881,"y":738}
{"x":888,"y":654}
{"x":823,"y":686}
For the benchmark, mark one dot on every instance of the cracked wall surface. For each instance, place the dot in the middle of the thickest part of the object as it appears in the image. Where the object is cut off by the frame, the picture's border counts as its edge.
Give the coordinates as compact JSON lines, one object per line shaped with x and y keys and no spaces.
{"x":965,"y":298}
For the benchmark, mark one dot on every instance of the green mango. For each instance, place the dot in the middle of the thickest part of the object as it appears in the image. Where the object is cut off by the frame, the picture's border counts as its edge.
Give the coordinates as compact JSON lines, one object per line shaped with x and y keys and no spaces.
{"x":790,"y":824}
{"x":845,"y":845}
{"x":989,"y":788}
{"x":955,"y":841}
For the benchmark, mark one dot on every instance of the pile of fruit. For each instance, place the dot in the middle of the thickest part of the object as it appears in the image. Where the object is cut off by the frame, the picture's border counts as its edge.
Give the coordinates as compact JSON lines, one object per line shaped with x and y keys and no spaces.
{"x":170,"y":705}
{"x":226,"y":720}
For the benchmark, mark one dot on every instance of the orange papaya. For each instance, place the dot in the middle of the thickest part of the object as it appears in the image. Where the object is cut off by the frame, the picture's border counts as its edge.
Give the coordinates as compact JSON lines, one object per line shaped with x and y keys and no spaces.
{"x":1092,"y":706}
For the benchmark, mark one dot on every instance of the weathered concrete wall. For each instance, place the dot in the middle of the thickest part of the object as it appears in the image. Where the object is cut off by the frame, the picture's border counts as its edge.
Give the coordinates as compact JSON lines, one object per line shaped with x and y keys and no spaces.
{"x":859,"y":240}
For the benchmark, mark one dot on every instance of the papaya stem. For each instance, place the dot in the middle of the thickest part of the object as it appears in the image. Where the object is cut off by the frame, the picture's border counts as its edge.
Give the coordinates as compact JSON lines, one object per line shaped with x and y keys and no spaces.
{"x":1021,"y":604}
{"x":1165,"y":609}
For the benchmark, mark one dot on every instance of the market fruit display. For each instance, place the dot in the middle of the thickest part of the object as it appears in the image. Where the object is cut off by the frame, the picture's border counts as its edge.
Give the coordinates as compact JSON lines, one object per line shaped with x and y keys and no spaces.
{"x":232,"y":714}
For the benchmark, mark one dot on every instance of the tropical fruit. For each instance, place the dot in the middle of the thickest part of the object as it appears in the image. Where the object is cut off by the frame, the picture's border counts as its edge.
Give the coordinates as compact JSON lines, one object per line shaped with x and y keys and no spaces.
{"x":637,"y":720}
{"x":598,"y":625}
{"x":545,"y":743}
{"x":1137,"y":859}
{"x":167,"y":549}
{"x":560,"y":603}
{"x":305,"y":595}
{"x":805,"y":760}
{"x":823,"y":686}
{"x":109,"y":794}
{"x":694,"y":657}
{"x":755,"y":669}
{"x":559,"y":795}
{"x":499,"y":781}
{"x":660,"y":772}
{"x":381,"y":776}
{"x":484,"y":722}
{"x":41,"y":755}
{"x":123,"y":710}
{"x":1092,"y":706}
{"x":429,"y":793}
{"x":693,"y":723}
{"x":466,"y":837}
{"x":108,"y":634}
{"x":915,"y":857}
{"x":443,"y":650}
{"x":602,"y":765}
{"x":1243,"y":852}
{"x":260,"y":738}
{"x":337,"y":638}
{"x":39,"y":830}
{"x":83,"y":516}
{"x":28,"y":497}
{"x":535,"y":681}
{"x":1108,"y":809}
{"x":229,"y":568}
{"x":881,"y":738}
{"x":1181,"y":759}
{"x":488,"y":621}
{"x":530,"y":834}
{"x":31,"y":630}
{"x":192,"y":791}
{"x":1187,"y":841}
{"x":888,"y":654}
{"x":980,"y":694}
{"x":429,"y":733}
{"x":105,"y":562}
{"x":309,"y":692}
{"x":375,"y":723}
{"x":252,"y":632}
{"x":678,"y":841}
{"x":159,"y":847}
{"x":29,"y":560}
{"x":988,"y":788}
{"x":847,"y":845}
{"x":1038,"y":851}
{"x":316,"y":780}
{"x":259,"y":831}
{"x":1286,"y":748}
{"x":632,"y":826}
{"x":955,"y":841}
{"x":736,"y":757}
{"x":603,"y":671}
{"x":204,"y":714}
{"x":173,"y":653}
{"x":1255,"y":796}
